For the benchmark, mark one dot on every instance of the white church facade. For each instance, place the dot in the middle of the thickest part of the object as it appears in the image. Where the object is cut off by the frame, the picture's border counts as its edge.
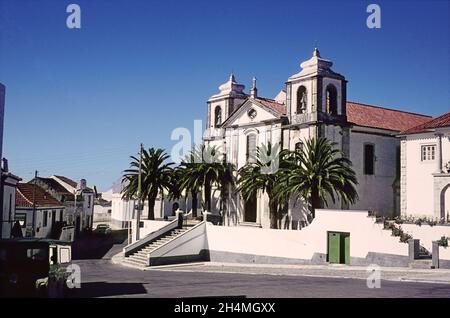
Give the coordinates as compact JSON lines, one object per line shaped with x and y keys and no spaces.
{"x":313,"y":103}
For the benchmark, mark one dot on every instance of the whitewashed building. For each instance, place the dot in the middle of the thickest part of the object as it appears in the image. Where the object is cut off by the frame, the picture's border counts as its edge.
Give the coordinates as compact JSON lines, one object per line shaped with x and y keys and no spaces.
{"x":313,"y":103}
{"x":37,"y":211}
{"x":425,"y":170}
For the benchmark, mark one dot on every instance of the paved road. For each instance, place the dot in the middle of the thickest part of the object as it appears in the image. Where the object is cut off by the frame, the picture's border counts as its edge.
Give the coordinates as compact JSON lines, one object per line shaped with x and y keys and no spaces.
{"x":101,"y":278}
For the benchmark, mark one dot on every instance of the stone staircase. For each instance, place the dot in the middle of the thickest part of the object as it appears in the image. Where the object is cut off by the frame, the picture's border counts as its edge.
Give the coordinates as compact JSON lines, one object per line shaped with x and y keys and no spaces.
{"x":140,"y":257}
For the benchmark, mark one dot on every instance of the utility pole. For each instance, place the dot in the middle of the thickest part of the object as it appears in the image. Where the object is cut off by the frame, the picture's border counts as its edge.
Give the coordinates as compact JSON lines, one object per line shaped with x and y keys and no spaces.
{"x":139,"y":193}
{"x":34,"y":203}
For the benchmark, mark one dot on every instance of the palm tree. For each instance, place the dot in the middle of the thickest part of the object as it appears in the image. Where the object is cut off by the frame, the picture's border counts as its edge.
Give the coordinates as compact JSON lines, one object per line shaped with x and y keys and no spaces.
{"x":203,"y":169}
{"x":155,"y":178}
{"x":260,"y":173}
{"x":316,"y":173}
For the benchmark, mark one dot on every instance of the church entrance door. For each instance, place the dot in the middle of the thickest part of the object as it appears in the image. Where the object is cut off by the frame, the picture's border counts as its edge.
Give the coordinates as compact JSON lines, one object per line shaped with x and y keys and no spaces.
{"x":250,"y":209}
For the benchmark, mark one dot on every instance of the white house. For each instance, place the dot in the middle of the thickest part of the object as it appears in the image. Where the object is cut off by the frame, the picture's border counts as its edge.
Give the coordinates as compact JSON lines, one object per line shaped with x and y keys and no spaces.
{"x":425,"y":169}
{"x":313,"y":103}
{"x":85,"y":208}
{"x":38,"y":212}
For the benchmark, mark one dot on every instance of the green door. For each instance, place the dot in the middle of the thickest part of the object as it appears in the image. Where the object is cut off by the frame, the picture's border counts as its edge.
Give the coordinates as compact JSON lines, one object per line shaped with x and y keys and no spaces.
{"x":334,"y":247}
{"x":347,"y":249}
{"x":339,"y":248}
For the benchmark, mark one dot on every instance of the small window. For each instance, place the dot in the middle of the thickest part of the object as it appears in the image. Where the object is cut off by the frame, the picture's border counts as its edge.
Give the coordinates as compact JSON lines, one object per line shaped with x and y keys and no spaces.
{"x":217,"y":116}
{"x":428,"y":152}
{"x":331,"y":100}
{"x":251,"y":147}
{"x":301,"y":100}
{"x":299,"y":146}
{"x":89,"y":202}
{"x":369,"y":159}
{"x":44,"y":218}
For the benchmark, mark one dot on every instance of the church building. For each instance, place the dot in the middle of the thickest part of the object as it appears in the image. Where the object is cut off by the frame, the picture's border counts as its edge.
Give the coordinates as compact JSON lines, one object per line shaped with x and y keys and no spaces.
{"x":313,"y":103}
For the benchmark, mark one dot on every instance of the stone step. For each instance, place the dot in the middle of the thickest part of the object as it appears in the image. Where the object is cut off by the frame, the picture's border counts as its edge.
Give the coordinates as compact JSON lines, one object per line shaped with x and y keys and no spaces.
{"x":134,"y":262}
{"x":421,"y":264}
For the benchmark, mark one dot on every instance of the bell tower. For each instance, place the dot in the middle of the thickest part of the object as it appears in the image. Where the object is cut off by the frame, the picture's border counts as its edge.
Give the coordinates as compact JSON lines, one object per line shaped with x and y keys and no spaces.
{"x":316,"y":93}
{"x":231,"y":95}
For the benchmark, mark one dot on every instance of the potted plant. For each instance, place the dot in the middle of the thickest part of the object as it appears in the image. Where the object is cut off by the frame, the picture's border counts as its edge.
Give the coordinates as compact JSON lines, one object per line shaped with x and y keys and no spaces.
{"x":56,"y":280}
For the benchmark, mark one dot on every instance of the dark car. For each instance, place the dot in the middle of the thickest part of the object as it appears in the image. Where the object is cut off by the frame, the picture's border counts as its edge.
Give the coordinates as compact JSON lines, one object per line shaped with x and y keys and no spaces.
{"x":103,"y":229}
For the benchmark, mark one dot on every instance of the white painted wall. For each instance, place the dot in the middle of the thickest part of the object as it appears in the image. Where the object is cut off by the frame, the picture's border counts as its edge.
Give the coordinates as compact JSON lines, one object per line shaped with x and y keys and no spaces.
{"x":188,"y":243}
{"x":365,"y":236}
{"x":375,"y":191}
{"x":426,"y":234}
{"x":419,"y":175}
{"x":444,"y":253}
{"x":149,"y":227}
{"x":41,"y":230}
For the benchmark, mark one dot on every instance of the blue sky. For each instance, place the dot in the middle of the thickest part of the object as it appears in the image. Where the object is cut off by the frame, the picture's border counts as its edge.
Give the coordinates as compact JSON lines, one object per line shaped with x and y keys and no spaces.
{"x":79,"y":102}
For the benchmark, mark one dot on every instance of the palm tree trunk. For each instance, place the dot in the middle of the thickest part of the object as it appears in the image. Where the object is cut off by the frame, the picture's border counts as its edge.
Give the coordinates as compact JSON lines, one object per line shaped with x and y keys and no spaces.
{"x":151,"y":206}
{"x":207,"y":196}
{"x":273,"y":212}
{"x":194,"y":203}
{"x":315,"y":202}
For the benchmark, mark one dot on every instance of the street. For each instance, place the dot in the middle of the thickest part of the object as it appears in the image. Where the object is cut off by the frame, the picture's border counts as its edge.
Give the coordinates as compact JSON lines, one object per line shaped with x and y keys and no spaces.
{"x":101,"y":278}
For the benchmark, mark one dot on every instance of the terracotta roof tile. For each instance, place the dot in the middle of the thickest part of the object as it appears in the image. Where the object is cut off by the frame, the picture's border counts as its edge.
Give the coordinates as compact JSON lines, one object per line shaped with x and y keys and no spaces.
{"x":24,"y":196}
{"x":438,"y":122}
{"x":384,"y":118}
{"x":279,"y":108}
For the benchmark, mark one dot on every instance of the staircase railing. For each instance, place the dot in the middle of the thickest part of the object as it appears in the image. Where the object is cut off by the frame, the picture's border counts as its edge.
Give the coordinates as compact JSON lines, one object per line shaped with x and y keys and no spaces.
{"x":131,"y":248}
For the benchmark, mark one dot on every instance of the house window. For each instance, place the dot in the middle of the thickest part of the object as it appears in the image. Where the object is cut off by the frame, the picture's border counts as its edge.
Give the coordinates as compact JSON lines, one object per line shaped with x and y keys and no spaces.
{"x":299,"y":146}
{"x":217,"y":116}
{"x":428,"y":152}
{"x":61,"y":215}
{"x":44,"y":218}
{"x":301,"y":100}
{"x":369,"y":159}
{"x":251,"y":147}
{"x":89,"y":202}
{"x":331,"y":100}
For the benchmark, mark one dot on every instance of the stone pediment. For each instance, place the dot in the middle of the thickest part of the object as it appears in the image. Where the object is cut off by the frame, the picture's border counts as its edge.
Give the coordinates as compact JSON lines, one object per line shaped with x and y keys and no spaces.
{"x":251,"y":112}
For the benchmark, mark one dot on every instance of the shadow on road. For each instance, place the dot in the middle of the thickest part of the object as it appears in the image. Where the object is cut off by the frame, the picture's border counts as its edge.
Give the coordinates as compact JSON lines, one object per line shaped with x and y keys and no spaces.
{"x":104,"y":289}
{"x":91,"y":246}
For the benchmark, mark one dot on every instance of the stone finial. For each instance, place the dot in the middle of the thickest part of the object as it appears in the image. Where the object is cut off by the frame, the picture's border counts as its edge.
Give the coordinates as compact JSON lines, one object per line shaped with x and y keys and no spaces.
{"x":316,"y":52}
{"x":254,"y":90}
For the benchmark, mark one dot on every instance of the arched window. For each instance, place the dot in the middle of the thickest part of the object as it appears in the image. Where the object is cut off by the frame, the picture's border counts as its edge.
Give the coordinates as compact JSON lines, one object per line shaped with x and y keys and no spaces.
{"x":251,"y":147}
{"x":301,"y":100}
{"x":217,"y":116}
{"x":331,"y":100}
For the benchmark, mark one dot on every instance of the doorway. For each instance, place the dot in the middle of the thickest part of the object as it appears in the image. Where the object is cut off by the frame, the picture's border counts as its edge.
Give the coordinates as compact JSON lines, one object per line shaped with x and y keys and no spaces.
{"x":250,"y":209}
{"x":338,"y":251}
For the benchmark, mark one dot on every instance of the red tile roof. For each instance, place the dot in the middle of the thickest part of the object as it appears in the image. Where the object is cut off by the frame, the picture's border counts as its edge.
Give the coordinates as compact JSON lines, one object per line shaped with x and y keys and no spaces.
{"x":438,"y":122}
{"x":68,"y":181}
{"x":384,"y":118}
{"x":279,"y":108}
{"x":24,"y":196}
